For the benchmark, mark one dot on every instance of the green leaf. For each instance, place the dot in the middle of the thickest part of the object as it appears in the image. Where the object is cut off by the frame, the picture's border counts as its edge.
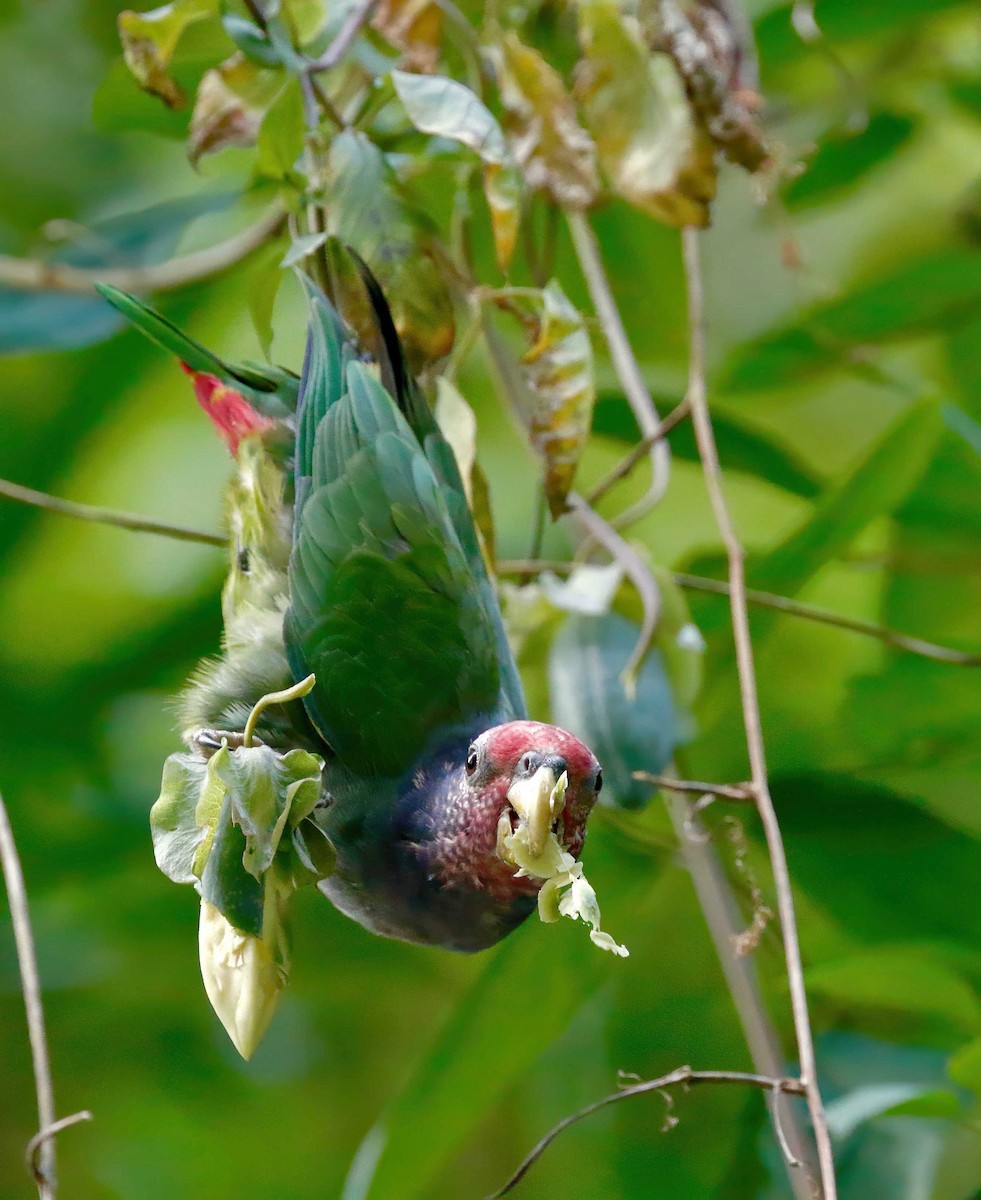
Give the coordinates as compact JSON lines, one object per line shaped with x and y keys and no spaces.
{"x":586,"y":662}
{"x":898,"y":980}
{"x":149,"y":40}
{"x":553,"y":150}
{"x":250,"y":39}
{"x":654,"y":151}
{"x":366,"y":210}
{"x":846,"y":159}
{"x":264,"y":285}
{"x":965,"y":1066}
{"x":176,"y":832}
{"x":876,"y":486}
{"x":445,"y":108}
{"x":120,"y":107}
{"x":928,"y":293}
{"x":281,"y":133}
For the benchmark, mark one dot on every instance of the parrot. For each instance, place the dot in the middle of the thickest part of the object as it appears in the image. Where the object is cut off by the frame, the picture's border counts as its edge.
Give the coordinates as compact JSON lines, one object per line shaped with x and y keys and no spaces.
{"x":355,"y":564}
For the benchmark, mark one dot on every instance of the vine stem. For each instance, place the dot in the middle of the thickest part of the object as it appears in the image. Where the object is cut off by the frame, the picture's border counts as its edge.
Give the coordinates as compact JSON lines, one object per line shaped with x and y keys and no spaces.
{"x":625,"y":364}
{"x":32,"y":275}
{"x":683,"y":1076}
{"x":735,"y":554}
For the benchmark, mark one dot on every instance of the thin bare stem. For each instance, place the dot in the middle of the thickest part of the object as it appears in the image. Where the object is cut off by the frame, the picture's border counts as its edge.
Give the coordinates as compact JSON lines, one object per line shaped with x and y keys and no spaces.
{"x":35,"y":276}
{"x":683,"y":1075}
{"x":793,"y":608}
{"x":345,"y":36}
{"x":626,"y":366}
{"x":724,"y":791}
{"x":296,"y":692}
{"x":629,"y":461}
{"x":30,"y":983}
{"x":33,"y":1149}
{"x":106,"y":516}
{"x":705,"y":439}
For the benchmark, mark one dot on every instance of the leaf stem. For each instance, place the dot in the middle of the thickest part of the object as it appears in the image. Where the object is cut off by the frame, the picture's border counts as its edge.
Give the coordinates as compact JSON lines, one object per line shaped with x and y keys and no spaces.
{"x":630,"y":460}
{"x":296,"y":692}
{"x":705,"y":440}
{"x":624,"y":362}
{"x":684,"y":1076}
{"x":348,"y":31}
{"x":33,"y":275}
{"x":105,"y":516}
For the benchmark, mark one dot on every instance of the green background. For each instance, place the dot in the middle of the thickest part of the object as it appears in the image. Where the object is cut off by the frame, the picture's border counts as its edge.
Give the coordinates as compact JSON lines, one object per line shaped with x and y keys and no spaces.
{"x":849,"y":398}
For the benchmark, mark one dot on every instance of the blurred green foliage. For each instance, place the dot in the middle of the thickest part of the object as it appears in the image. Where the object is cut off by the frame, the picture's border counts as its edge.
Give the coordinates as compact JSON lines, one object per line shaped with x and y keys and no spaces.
{"x":845,"y":336}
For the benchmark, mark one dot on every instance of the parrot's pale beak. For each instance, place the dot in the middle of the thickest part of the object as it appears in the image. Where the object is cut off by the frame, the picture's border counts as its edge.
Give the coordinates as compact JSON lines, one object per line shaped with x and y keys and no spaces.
{"x":538,"y":800}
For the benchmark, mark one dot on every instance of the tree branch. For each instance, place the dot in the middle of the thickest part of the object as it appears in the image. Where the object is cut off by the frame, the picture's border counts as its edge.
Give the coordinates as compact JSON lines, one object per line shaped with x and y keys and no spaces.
{"x":345,"y":36}
{"x":35,"y":276}
{"x":683,"y":1075}
{"x":705,"y":440}
{"x":724,"y":791}
{"x":626,"y":465}
{"x":106,"y":516}
{"x":624,"y":362}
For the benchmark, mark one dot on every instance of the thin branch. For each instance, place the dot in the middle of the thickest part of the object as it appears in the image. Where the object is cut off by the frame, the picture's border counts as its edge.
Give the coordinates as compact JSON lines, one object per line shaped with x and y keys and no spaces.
{"x":705,"y":439}
{"x":345,"y":36}
{"x":106,"y":516}
{"x":32,"y":1151}
{"x":35,"y":276}
{"x":629,"y":461}
{"x":30,"y":983}
{"x":723,"y":790}
{"x":793,"y":608}
{"x":683,"y":1075}
{"x":810,"y":612}
{"x":636,"y":570}
{"x":624,"y":362}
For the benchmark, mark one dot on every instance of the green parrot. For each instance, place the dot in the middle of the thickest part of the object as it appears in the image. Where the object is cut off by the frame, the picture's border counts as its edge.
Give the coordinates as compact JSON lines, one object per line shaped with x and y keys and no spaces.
{"x":355,"y":566}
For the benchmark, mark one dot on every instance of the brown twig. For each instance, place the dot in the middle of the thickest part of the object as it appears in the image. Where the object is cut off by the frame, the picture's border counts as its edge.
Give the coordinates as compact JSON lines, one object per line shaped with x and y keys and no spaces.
{"x":626,"y":465}
{"x":682,"y":1075}
{"x":106,"y":516}
{"x":723,"y":790}
{"x":705,"y":440}
{"x":35,"y":276}
{"x":793,"y":608}
{"x":30,"y":982}
{"x":624,"y":362}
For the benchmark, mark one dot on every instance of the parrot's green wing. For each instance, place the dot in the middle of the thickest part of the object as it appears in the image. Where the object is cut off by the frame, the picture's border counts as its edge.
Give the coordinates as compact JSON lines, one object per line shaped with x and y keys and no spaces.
{"x":271,"y":390}
{"x":387,"y":607}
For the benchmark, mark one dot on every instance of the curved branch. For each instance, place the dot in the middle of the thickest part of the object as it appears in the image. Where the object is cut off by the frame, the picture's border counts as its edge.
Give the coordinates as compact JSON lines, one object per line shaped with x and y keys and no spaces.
{"x":683,"y":1075}
{"x":33,"y":275}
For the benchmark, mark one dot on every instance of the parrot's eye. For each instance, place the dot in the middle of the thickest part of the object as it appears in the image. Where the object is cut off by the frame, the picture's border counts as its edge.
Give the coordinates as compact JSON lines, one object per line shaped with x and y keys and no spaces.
{"x":598,"y":785}
{"x":472,"y":760}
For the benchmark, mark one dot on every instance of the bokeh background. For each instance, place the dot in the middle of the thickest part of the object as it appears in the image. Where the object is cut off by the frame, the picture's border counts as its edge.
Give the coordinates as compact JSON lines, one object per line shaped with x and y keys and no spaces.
{"x":845,"y":339}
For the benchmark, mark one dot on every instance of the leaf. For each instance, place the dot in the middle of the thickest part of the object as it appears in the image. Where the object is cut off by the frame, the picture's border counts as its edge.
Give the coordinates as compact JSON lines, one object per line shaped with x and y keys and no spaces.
{"x":445,"y":108}
{"x":366,"y":210}
{"x":585,"y":665}
{"x":229,"y":107}
{"x":846,"y":159}
{"x":281,"y":133}
{"x":553,"y":150}
{"x":176,"y":832}
{"x":414,"y":28}
{"x":655,"y":153}
{"x":965,"y":1066}
{"x":149,"y":40}
{"x":878,"y":485}
{"x":558,"y":370}
{"x":250,"y":39}
{"x":264,"y":284}
{"x":119,"y":107}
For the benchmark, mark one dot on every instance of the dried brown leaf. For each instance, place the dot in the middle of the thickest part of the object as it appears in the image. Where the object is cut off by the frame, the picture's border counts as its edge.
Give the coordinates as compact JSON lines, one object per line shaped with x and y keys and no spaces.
{"x":416,"y":28}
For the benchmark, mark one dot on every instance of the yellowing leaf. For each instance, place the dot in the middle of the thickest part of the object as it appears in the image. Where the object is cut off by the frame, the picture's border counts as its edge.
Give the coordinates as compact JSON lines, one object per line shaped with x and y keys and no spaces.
{"x":655,"y":152}
{"x":415,"y":27}
{"x":229,"y":106}
{"x":149,"y":40}
{"x":559,"y":372}
{"x":556,"y":154}
{"x":366,"y":210}
{"x":445,"y":108}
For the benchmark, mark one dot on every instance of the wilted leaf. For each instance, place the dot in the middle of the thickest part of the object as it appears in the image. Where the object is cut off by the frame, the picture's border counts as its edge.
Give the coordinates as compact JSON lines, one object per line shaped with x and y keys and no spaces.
{"x":656,"y":154}
{"x":229,"y":106}
{"x":458,"y":425}
{"x":415,"y":27}
{"x":558,"y":370}
{"x":366,"y":210}
{"x":149,"y":40}
{"x":556,"y":154}
{"x":445,"y":108}
{"x":281,"y":132}
{"x":585,"y":665}
{"x":707,"y":47}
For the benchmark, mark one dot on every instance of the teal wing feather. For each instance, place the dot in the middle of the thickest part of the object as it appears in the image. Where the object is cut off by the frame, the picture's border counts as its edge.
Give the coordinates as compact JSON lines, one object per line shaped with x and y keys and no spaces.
{"x":387,"y":606}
